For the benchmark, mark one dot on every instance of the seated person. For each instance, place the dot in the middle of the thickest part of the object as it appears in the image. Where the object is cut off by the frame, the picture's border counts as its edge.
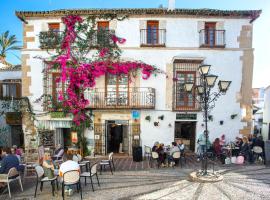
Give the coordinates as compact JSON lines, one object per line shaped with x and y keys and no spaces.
{"x":245,"y":150}
{"x":13,"y":151}
{"x":58,"y":152}
{"x":217,"y":147}
{"x":68,"y":165}
{"x":48,"y":166}
{"x":181,"y":146}
{"x":155,"y":147}
{"x":9,"y":161}
{"x":161,"y":154}
{"x":174,"y":149}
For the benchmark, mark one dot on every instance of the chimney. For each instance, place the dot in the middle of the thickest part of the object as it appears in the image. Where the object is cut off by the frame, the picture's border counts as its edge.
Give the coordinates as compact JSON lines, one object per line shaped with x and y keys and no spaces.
{"x":171,"y":5}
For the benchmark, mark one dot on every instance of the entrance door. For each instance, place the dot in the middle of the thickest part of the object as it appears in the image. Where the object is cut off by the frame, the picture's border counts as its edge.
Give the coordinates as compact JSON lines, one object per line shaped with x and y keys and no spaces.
{"x":17,"y":135}
{"x":116,"y":134}
{"x":186,"y":132}
{"x":63,"y":137}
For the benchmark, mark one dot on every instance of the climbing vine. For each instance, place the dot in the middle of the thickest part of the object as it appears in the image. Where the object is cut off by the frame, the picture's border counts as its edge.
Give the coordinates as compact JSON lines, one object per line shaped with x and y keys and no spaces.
{"x":79,"y":71}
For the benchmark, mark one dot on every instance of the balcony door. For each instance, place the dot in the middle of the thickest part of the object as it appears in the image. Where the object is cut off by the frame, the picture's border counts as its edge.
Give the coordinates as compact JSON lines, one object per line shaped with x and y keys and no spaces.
{"x":184,"y":100}
{"x":152,"y":32}
{"x":117,"y":90}
{"x":210,"y":37}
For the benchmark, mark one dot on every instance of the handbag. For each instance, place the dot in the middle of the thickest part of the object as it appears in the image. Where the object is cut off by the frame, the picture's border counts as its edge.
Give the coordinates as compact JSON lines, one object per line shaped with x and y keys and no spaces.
{"x":240,"y":160}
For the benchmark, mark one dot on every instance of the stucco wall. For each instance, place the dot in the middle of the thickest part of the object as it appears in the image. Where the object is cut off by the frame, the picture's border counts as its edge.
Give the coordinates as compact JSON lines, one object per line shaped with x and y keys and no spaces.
{"x":266,"y":113}
{"x":182,"y":41}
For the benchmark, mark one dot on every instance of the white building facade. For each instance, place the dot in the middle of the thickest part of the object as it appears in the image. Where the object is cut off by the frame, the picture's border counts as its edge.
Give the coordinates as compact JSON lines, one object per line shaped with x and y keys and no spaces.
{"x":177,"y":42}
{"x":266,"y":115}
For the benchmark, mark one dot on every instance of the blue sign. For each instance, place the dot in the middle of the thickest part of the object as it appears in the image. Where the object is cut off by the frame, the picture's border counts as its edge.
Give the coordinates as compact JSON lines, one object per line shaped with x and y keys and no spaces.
{"x":135,"y":114}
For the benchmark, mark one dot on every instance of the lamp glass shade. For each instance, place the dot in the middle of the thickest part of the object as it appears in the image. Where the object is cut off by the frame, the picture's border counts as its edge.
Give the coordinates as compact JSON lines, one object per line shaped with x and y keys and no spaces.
{"x":224,"y":85}
{"x":210,"y":80}
{"x":199,"y":89}
{"x":204,"y":69}
{"x":74,"y":137}
{"x":188,"y":86}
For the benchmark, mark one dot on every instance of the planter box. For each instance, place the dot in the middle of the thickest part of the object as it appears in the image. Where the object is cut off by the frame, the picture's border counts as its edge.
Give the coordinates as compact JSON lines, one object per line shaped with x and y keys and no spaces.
{"x":58,"y":115}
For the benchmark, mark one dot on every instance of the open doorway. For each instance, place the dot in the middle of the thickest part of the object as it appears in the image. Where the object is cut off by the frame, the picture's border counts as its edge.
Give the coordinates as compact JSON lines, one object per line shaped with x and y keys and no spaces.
{"x":185,"y":130}
{"x":63,"y":137}
{"x":117,"y":139}
{"x":17,"y":137}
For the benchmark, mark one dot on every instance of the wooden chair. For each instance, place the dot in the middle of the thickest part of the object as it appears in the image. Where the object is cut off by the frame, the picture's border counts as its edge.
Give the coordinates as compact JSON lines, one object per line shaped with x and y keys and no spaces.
{"x":177,"y":157}
{"x":90,"y":174}
{"x":109,"y":162}
{"x":71,"y":178}
{"x":42,"y":179}
{"x":12,"y":175}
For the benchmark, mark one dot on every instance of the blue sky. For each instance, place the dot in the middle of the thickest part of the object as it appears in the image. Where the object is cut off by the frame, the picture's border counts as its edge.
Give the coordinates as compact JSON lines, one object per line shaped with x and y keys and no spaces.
{"x":261,"y":27}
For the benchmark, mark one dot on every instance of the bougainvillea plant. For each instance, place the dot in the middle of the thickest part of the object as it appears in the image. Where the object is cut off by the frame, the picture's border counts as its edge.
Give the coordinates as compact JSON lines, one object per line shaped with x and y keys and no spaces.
{"x":79,"y":72}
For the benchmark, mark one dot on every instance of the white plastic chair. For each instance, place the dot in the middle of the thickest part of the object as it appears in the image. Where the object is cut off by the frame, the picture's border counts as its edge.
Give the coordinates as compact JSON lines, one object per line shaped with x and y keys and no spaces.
{"x":108,"y":162}
{"x":12,"y":175}
{"x":90,"y":174}
{"x":71,"y":178}
{"x":147,"y":152}
{"x":154,"y":156}
{"x":42,"y":179}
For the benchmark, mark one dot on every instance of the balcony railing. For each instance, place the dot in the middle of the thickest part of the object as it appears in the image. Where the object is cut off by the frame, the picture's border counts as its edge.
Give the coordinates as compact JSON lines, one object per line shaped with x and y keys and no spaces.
{"x":134,"y":98}
{"x":212,"y":38}
{"x":97,"y":38}
{"x":50,"y":39}
{"x":153,"y":37}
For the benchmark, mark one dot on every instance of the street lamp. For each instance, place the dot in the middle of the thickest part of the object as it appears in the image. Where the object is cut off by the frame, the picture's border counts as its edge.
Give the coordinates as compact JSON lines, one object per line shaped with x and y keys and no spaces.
{"x":206,"y":98}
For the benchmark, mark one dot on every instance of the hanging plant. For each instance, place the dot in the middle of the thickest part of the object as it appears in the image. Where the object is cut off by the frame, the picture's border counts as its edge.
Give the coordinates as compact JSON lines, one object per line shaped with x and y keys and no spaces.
{"x":156,"y":123}
{"x":233,"y":116}
{"x":161,"y":117}
{"x":210,"y":117}
{"x":148,"y":118}
{"x":221,"y":122}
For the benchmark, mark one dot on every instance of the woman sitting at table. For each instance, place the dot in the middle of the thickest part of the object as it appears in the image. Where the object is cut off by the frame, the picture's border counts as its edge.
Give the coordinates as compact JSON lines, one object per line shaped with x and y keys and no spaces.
{"x":161,"y":154}
{"x":48,"y":166}
{"x":245,"y":150}
{"x":217,"y":147}
{"x":155,"y":147}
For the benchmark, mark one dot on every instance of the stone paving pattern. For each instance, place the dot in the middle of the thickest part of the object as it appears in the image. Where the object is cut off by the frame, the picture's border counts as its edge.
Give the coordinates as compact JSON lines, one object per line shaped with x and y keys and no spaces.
{"x":240,"y":182}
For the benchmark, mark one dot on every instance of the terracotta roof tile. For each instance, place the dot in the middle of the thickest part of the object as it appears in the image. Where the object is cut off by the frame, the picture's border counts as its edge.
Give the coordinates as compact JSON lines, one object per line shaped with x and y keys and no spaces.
{"x":251,"y":14}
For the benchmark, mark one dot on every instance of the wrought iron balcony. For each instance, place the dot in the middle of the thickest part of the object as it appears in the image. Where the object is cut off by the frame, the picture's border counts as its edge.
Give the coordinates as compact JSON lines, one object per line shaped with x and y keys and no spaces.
{"x":96,"y":38}
{"x":212,"y":38}
{"x":153,"y":37}
{"x":133,"y":98}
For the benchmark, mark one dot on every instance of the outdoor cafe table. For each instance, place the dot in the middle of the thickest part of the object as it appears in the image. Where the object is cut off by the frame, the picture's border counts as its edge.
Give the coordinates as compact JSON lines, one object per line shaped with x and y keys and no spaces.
{"x":231,"y":151}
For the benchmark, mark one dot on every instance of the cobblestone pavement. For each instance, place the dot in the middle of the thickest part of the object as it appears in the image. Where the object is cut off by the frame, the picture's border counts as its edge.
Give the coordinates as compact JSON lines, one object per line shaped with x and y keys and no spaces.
{"x":240,"y":182}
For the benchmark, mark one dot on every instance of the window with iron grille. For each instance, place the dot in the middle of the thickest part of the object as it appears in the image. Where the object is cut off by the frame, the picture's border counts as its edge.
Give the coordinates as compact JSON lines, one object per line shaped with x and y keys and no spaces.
{"x":52,"y":89}
{"x":185,"y":71}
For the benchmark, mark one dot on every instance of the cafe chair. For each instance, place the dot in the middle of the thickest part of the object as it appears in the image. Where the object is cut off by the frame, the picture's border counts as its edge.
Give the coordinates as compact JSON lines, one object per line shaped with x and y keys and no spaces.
{"x":71,"y":178}
{"x":42,"y":179}
{"x":154,"y":157}
{"x":90,"y":174}
{"x":109,"y":162}
{"x":83,"y":163}
{"x":12,"y":175}
{"x":257,"y":152}
{"x":147,"y":152}
{"x":177,"y":158}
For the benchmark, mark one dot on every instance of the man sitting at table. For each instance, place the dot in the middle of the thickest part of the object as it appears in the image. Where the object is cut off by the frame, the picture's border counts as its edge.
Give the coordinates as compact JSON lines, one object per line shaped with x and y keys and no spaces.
{"x":66,"y":166}
{"x":174,"y":149}
{"x":9,"y":161}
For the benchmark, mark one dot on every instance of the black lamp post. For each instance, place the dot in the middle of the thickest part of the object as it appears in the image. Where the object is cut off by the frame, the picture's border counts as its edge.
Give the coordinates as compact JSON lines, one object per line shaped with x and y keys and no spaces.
{"x":206,"y":98}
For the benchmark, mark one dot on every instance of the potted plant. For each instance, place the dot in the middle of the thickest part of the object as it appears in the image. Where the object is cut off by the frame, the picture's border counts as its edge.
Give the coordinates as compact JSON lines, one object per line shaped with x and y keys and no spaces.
{"x":161,"y":117}
{"x":148,"y":118}
{"x":233,"y":116}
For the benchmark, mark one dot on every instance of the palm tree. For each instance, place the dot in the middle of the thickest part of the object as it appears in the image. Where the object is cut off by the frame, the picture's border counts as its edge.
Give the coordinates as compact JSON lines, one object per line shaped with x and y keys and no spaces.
{"x":8,"y":43}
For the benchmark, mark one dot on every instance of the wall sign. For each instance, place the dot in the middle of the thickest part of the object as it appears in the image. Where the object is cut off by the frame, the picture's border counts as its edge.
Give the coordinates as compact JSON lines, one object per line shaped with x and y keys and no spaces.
{"x":135,"y":114}
{"x":186,"y":116}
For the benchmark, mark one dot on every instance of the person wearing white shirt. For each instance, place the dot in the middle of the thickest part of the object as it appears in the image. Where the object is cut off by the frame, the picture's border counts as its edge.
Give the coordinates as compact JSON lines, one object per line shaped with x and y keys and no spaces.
{"x":69,"y":165}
